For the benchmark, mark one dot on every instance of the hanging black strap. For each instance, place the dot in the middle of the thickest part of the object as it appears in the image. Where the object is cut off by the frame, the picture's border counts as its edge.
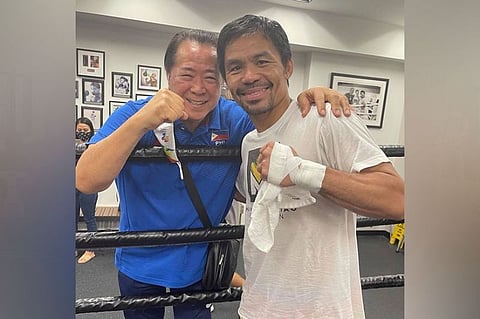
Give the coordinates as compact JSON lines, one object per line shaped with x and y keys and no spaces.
{"x":194,"y":196}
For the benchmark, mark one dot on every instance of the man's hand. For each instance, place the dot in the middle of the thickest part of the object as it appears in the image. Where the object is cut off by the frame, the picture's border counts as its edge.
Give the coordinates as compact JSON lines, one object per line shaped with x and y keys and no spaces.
{"x":318,"y":96}
{"x":165,"y":106}
{"x":263,"y":163}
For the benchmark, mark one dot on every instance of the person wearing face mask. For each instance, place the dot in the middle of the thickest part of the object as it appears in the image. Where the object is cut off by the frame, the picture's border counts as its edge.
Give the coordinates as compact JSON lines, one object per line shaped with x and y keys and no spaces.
{"x":87,"y":202}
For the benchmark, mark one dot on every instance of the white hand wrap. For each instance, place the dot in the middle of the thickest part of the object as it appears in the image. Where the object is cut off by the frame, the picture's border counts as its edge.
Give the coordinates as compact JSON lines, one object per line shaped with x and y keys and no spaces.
{"x":304,"y":173}
{"x":308,"y":175}
{"x":282,"y":162}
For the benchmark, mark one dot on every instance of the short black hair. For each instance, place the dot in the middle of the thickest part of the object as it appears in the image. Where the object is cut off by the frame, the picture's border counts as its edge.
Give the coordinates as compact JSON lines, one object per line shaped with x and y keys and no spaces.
{"x":200,"y":36}
{"x":250,"y":24}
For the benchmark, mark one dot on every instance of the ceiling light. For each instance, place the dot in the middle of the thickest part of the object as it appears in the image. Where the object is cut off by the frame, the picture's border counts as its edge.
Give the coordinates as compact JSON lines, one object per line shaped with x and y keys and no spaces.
{"x":304,"y":1}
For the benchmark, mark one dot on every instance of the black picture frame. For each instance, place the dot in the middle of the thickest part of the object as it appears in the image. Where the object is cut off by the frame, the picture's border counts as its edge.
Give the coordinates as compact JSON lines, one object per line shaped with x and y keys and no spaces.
{"x":94,"y":114}
{"x":148,"y":77}
{"x":122,"y":85}
{"x":91,"y":63}
{"x":371,"y":105}
{"x":114,"y":105}
{"x":140,"y":96}
{"x":93,"y":91}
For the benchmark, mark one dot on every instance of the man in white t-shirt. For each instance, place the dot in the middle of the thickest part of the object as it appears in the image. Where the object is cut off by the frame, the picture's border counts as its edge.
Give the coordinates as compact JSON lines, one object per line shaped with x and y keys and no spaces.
{"x":302,"y":191}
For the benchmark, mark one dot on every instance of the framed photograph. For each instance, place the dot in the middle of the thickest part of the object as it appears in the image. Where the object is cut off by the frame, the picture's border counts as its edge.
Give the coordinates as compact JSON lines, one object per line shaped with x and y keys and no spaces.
{"x":91,"y":63}
{"x":141,"y":96}
{"x":148,"y":77}
{"x":122,"y":85}
{"x":92,"y":91}
{"x":95,"y":114}
{"x":76,"y":89}
{"x":366,"y":95}
{"x":113,"y":105}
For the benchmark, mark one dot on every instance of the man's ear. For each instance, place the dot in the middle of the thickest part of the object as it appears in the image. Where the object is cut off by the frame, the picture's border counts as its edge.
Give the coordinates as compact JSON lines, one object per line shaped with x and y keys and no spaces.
{"x":289,"y":69}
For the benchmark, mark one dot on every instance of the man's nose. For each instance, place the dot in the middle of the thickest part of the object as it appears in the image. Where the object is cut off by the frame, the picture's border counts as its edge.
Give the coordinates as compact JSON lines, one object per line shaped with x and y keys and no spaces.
{"x":198,"y":86}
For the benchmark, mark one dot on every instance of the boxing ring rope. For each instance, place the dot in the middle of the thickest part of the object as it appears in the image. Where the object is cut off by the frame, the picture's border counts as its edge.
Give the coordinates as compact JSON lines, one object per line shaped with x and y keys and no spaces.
{"x":176,"y":237}
{"x":103,"y":304}
{"x":87,"y":240}
{"x":202,"y":153}
{"x":111,"y":239}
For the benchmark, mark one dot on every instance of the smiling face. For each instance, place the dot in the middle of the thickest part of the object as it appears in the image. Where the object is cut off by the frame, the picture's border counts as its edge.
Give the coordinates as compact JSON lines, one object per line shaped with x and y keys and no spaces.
{"x":194,"y":76}
{"x":257,"y":78}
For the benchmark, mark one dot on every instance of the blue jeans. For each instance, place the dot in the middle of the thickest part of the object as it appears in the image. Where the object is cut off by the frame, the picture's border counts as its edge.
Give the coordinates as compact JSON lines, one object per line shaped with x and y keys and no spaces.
{"x":130,"y":287}
{"x":87,"y":202}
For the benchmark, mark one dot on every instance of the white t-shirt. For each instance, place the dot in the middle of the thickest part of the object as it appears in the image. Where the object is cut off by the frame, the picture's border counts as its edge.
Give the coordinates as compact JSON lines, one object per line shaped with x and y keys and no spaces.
{"x":312,"y":270}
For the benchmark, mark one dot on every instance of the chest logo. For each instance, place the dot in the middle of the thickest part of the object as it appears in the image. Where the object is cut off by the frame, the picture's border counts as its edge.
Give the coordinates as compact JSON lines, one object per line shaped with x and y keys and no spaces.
{"x":219,"y":137}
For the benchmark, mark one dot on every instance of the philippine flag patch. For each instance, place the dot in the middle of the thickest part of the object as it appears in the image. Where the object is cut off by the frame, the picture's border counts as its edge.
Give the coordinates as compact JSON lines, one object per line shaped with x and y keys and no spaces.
{"x":221,"y":135}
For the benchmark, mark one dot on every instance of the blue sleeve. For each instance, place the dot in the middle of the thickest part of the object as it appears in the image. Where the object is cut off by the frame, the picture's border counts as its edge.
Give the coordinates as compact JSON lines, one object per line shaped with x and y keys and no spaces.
{"x":117,"y":118}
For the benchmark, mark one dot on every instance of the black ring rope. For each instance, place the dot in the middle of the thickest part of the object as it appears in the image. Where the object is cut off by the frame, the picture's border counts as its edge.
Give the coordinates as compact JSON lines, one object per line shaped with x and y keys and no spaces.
{"x":110,"y":239}
{"x":103,"y":304}
{"x":157,"y":238}
{"x":202,"y":153}
{"x":369,"y":222}
{"x":173,"y":237}
{"x":388,"y":281}
{"x":164,"y":300}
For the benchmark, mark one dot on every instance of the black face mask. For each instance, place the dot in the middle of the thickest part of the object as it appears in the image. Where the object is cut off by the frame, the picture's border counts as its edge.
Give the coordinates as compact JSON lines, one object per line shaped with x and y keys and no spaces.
{"x":84,"y":136}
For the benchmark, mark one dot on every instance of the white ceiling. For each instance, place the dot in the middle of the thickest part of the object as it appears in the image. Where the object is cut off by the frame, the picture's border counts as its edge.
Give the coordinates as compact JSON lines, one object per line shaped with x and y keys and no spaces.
{"x":387,"y":11}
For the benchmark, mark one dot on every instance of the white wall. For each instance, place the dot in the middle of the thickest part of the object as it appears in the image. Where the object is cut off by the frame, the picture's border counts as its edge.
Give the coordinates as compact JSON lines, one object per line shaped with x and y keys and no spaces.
{"x":127,"y":43}
{"x":322,"y":64}
{"x":307,"y":28}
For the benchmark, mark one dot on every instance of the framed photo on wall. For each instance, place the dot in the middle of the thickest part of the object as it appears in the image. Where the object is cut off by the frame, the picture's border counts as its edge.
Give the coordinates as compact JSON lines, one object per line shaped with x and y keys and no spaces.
{"x":367,"y":95}
{"x":94,"y":114}
{"x":141,"y":96}
{"x":113,"y":105}
{"x":76,"y":89}
{"x":148,"y":77}
{"x":91,"y":63}
{"x":122,"y":85}
{"x":92,"y":91}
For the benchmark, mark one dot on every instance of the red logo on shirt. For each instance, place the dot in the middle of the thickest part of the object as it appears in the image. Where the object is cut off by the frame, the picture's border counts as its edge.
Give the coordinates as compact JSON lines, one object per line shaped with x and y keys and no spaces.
{"x":219,"y":136}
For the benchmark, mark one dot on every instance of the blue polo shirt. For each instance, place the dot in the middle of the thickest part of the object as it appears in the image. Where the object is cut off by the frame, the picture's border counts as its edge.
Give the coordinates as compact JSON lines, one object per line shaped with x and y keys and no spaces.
{"x":153,"y":197}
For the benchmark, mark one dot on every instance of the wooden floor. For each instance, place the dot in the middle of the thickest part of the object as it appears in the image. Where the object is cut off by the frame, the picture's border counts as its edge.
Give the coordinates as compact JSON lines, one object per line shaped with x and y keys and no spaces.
{"x":107,"y":212}
{"x":107,"y":219}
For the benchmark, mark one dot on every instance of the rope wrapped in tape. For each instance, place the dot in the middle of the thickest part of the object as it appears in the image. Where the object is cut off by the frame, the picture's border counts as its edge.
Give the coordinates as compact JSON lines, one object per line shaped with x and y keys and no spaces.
{"x":383,"y":281}
{"x":393,"y":150}
{"x":369,"y":222}
{"x":124,"y":303}
{"x":231,"y":294}
{"x":112,"y":239}
{"x":157,"y":238}
{"x":217,"y":153}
